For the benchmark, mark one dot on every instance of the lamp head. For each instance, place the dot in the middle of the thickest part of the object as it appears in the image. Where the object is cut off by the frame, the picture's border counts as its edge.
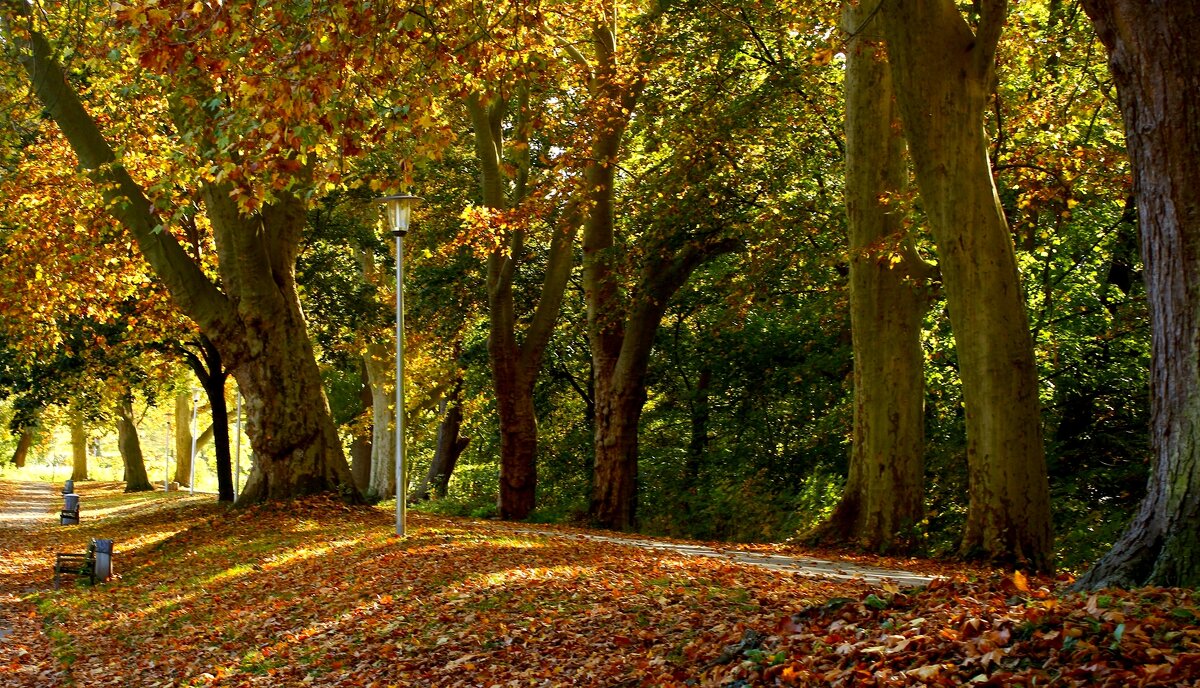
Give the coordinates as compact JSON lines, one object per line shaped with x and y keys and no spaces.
{"x":399,"y":211}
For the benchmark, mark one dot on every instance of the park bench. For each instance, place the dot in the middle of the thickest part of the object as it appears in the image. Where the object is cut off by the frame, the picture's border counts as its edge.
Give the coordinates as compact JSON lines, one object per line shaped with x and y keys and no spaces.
{"x":72,"y":564}
{"x":69,"y":516}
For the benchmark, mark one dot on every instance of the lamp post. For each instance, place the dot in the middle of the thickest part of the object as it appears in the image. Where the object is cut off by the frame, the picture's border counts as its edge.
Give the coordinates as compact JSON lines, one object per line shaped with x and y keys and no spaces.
{"x":237,"y":465}
{"x":399,"y":211}
{"x":167,"y":459}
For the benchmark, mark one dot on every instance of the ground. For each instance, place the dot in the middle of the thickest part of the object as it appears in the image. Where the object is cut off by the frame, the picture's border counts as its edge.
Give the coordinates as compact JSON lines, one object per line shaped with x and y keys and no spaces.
{"x":318,"y":593}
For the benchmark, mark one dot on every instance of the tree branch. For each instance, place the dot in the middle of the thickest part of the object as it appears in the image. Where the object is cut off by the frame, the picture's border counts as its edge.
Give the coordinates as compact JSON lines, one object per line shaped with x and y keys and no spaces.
{"x":992,"y":14}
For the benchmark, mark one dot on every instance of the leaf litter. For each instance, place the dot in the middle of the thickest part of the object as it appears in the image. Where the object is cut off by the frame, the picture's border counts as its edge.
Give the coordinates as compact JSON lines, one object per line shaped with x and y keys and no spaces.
{"x":316,"y":593}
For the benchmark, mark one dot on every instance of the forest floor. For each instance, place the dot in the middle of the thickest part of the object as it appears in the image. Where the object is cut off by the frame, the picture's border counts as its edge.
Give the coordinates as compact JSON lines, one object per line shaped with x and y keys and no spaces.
{"x":316,"y":593}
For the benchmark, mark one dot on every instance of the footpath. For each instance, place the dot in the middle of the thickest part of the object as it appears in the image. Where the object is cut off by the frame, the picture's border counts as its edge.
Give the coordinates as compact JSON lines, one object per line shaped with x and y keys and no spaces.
{"x":805,"y":566}
{"x":25,"y":658}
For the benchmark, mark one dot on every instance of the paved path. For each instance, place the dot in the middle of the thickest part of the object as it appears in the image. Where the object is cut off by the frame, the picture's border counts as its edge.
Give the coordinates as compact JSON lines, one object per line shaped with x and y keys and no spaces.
{"x":24,"y":648}
{"x":32,"y":505}
{"x":805,"y":566}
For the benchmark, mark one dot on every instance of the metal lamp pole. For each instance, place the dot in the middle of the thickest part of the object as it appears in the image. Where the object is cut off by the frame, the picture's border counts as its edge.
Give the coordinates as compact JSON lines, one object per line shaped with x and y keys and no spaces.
{"x":167,"y":459}
{"x":237,"y":470}
{"x":399,"y":211}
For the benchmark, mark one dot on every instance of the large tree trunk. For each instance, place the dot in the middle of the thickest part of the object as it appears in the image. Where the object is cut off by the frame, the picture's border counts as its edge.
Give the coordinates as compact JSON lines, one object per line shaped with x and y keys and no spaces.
{"x":382,"y":376}
{"x":23,"y":445}
{"x":941,"y":72}
{"x":621,"y":327}
{"x":253,"y":318}
{"x":287,"y":416}
{"x":515,"y":365}
{"x":1154,"y":57}
{"x":884,"y":496}
{"x":136,"y":479}
{"x":79,"y":449}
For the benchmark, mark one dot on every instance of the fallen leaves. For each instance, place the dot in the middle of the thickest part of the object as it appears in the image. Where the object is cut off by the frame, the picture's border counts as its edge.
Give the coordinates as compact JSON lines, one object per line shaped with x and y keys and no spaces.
{"x":210,"y":597}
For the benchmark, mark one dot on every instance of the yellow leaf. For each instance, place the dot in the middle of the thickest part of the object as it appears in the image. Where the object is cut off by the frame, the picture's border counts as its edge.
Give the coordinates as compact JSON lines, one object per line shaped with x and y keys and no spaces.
{"x":1020,"y":581}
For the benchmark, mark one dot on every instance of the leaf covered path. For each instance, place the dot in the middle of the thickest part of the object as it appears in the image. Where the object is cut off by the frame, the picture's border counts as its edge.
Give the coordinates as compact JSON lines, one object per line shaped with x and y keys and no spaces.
{"x":317,"y":593}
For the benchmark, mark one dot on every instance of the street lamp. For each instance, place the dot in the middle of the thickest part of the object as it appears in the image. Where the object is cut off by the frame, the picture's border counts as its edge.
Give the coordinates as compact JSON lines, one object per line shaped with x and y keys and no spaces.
{"x":399,"y":210}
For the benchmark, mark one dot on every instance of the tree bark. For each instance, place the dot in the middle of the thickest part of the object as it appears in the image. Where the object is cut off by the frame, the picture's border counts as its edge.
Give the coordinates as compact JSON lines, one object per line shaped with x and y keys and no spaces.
{"x":450,"y":446}
{"x":136,"y":479}
{"x":515,"y":364}
{"x":941,"y":72}
{"x":884,"y":496}
{"x":183,"y":438}
{"x":360,"y":446}
{"x":1153,"y":58}
{"x":621,"y":327}
{"x":253,"y":319}
{"x":79,"y":449}
{"x":23,"y":445}
{"x":382,"y":376}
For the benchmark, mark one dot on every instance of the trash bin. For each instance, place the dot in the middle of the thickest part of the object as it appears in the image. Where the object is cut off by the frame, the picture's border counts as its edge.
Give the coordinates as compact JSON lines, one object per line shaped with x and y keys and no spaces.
{"x":69,"y":487}
{"x":70,"y":510}
{"x":104,"y":553}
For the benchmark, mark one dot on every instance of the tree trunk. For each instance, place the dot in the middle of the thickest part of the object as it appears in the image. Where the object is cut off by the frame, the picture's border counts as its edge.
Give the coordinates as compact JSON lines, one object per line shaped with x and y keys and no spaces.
{"x":23,"y":445}
{"x":79,"y":453}
{"x":288,"y":419}
{"x":136,"y":479}
{"x":1154,"y":59}
{"x":884,"y":496}
{"x":941,"y":72}
{"x":381,"y":375}
{"x":253,"y":318}
{"x":619,"y":401}
{"x":621,"y":327}
{"x":205,"y":361}
{"x":700,"y":414}
{"x":360,"y":446}
{"x":450,"y":446}
{"x":214,"y":387}
{"x":183,"y":438}
{"x":515,"y":365}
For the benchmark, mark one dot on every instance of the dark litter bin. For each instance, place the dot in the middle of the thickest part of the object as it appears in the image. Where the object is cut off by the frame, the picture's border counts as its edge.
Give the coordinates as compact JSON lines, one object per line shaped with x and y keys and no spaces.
{"x":104,"y":554}
{"x":69,"y":487}
{"x":70,"y":510}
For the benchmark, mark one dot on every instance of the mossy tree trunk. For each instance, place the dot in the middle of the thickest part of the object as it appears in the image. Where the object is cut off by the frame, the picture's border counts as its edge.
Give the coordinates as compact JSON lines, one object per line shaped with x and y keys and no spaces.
{"x":883,"y":502}
{"x":1154,"y":58}
{"x":942,"y":71}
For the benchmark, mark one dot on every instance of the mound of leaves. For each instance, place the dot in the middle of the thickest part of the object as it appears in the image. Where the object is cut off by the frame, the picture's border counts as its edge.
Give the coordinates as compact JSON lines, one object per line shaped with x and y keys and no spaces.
{"x":1000,"y":632}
